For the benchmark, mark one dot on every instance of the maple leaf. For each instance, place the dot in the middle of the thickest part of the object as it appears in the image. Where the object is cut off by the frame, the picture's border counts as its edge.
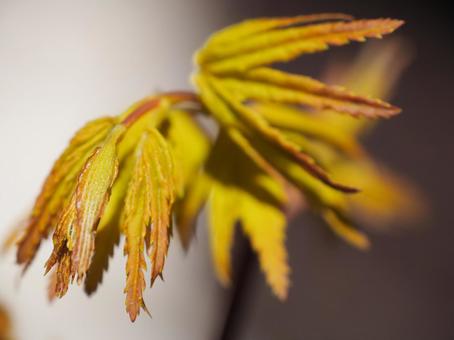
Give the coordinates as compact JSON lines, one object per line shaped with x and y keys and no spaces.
{"x":243,"y":192}
{"x":136,"y":173}
{"x":57,"y":186}
{"x":148,"y":203}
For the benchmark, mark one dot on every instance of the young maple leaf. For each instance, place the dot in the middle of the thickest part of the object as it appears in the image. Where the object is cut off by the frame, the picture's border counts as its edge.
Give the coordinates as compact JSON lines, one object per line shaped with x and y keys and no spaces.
{"x":132,"y":173}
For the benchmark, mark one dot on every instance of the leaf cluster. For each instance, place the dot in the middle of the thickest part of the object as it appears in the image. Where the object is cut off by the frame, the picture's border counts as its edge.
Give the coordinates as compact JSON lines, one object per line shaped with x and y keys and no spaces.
{"x":136,"y":173}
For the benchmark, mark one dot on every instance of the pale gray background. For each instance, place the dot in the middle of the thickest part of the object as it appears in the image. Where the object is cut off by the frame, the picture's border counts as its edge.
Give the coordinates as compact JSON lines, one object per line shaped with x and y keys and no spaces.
{"x":61,"y":64}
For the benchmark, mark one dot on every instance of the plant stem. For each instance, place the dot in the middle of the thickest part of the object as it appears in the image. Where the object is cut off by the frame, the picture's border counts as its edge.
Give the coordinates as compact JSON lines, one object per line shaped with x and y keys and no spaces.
{"x":231,"y":326}
{"x":150,"y":103}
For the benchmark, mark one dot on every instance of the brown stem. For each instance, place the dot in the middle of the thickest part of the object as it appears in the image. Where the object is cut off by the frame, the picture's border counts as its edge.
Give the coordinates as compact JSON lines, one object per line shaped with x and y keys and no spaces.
{"x":153,"y":102}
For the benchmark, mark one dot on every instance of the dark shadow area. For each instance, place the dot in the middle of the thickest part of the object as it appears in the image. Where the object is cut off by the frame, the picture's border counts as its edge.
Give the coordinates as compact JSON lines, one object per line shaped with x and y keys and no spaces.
{"x":402,"y":288}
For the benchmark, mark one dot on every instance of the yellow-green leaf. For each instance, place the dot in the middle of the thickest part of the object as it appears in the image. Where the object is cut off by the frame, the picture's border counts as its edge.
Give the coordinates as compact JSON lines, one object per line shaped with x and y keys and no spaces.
{"x":91,"y":196}
{"x":163,"y":190}
{"x":261,"y":127}
{"x":189,"y":143}
{"x":108,"y":231}
{"x":264,"y":224}
{"x":189,"y":205}
{"x":278,"y":86}
{"x":348,"y":233}
{"x":252,"y":27}
{"x":384,"y":198}
{"x":283,"y":45}
{"x":308,"y":125}
{"x":190,"y":146}
{"x":223,"y":214}
{"x":374,"y":73}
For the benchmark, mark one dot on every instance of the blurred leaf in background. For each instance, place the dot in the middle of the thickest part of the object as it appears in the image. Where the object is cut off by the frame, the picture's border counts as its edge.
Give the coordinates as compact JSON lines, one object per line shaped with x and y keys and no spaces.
{"x":6,"y":329}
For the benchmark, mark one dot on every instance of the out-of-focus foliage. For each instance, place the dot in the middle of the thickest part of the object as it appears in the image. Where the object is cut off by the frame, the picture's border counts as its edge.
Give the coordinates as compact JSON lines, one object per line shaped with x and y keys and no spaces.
{"x":6,"y":332}
{"x":136,"y":173}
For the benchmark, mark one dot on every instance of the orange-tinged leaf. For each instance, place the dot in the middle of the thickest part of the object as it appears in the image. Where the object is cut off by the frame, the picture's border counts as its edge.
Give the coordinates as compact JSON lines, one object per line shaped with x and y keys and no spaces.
{"x":63,"y":273}
{"x":135,"y":221}
{"x":278,"y":86}
{"x":374,"y":73}
{"x":52,"y":286}
{"x":287,"y":44}
{"x":148,"y":205}
{"x":163,"y":179}
{"x":63,"y":232}
{"x":108,"y":231}
{"x":12,"y":238}
{"x":135,"y":265}
{"x":91,"y":196}
{"x":58,"y":186}
{"x":150,"y":117}
{"x":5,"y":324}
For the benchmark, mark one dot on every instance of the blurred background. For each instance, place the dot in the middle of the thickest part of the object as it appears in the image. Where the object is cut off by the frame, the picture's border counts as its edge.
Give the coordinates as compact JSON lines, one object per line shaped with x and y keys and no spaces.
{"x":64,"y":62}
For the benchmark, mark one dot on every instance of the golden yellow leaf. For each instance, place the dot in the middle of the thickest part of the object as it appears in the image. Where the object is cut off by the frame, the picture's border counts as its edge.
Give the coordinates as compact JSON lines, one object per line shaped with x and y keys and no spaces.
{"x":283,"y":45}
{"x":163,"y":190}
{"x":190,"y":146}
{"x":223,"y":214}
{"x":309,"y":125}
{"x":373,"y":73}
{"x":243,"y":192}
{"x":261,"y":127}
{"x":264,"y":224}
{"x":218,"y":109}
{"x":189,"y":205}
{"x":351,"y":235}
{"x":252,"y":27}
{"x":278,"y":86}
{"x":189,"y":143}
{"x":384,"y":198}
{"x":315,"y":191}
